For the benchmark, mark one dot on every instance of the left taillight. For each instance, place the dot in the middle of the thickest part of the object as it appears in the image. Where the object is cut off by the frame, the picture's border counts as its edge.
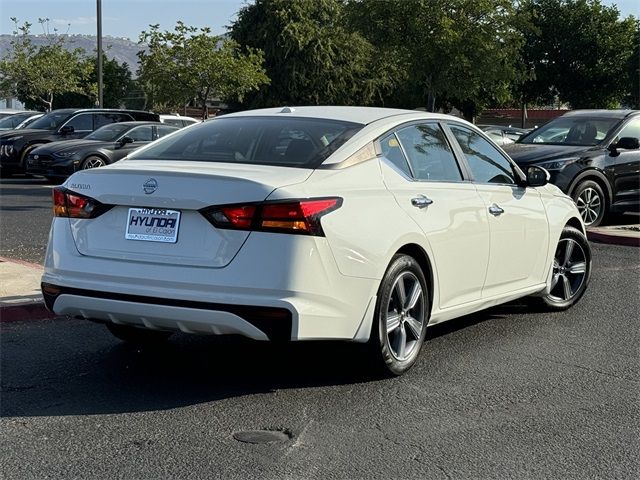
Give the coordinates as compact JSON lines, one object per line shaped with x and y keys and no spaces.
{"x":73,"y":205}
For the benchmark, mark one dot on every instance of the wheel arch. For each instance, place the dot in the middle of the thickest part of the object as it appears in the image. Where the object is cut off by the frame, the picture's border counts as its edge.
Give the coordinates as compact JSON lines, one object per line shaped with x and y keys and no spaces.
{"x":577,"y":224}
{"x":96,"y":154}
{"x":418,"y":253}
{"x":596,"y":176}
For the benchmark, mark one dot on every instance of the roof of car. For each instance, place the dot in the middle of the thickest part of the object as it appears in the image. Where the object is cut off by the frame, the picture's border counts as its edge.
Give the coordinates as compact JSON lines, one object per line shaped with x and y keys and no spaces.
{"x":76,"y":110}
{"x":134,"y":124}
{"x":601,"y":113}
{"x":364,"y":115}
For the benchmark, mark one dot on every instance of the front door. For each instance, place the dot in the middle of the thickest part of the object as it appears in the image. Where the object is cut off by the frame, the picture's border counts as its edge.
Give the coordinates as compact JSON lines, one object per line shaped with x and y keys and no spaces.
{"x":626,"y":170}
{"x":517,"y":218}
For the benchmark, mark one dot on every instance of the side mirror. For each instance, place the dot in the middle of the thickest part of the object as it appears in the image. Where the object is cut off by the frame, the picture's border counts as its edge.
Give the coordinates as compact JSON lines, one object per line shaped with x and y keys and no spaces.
{"x":66,"y":130}
{"x":537,"y":176}
{"x":626,"y":143}
{"x":124,"y":140}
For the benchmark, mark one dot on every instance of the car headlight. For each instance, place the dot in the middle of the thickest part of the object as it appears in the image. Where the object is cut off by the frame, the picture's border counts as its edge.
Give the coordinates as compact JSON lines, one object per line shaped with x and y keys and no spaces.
{"x":557,"y":164}
{"x":64,"y":154}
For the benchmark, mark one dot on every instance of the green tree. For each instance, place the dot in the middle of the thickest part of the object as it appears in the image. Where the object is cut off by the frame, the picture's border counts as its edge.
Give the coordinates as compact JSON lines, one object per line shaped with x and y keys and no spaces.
{"x":579,"y":51}
{"x":460,"y":52}
{"x":311,"y":55}
{"x":189,"y":64}
{"x":39,"y":74}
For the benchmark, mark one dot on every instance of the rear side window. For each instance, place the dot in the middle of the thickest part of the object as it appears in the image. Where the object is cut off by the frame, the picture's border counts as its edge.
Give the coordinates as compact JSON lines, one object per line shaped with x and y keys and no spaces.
{"x":486,"y":163}
{"x":290,"y":141}
{"x":393,"y":153}
{"x":429,"y":153}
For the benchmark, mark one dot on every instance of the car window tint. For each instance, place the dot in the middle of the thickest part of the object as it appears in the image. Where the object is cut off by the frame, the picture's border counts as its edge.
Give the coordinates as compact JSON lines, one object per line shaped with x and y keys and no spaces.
{"x":393,"y":153}
{"x":632,"y":129}
{"x":141,"y":134}
{"x":81,"y":123}
{"x":107,"y":118}
{"x":429,"y":153}
{"x":487,"y":164}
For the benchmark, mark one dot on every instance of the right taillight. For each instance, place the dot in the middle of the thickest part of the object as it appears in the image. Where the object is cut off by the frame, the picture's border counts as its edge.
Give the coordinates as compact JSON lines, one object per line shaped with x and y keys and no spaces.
{"x":288,"y":216}
{"x":73,"y":205}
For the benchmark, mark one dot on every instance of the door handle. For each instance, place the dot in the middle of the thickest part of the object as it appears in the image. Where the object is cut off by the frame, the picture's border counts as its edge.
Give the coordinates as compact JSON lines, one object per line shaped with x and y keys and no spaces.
{"x":421,"y":201}
{"x":495,"y":210}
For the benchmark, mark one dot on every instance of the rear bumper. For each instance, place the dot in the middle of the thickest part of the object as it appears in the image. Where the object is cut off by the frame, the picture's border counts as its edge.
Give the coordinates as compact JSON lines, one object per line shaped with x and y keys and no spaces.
{"x":278,"y":287}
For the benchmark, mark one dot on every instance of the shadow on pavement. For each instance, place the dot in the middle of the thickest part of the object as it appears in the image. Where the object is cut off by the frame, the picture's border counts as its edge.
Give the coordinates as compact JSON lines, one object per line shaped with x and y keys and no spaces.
{"x":72,"y":367}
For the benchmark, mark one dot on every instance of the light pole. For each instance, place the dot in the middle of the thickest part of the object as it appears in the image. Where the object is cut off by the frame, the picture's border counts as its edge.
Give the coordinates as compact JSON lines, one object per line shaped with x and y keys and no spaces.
{"x":99,"y":19}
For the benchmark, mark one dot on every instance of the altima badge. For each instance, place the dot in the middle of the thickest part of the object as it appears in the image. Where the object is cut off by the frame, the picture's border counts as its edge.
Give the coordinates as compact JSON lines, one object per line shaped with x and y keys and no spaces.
{"x":150,"y":186}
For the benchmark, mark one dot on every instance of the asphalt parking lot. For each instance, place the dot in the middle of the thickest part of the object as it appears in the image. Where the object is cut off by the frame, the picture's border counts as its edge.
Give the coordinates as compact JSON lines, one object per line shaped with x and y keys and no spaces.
{"x":505,"y":393}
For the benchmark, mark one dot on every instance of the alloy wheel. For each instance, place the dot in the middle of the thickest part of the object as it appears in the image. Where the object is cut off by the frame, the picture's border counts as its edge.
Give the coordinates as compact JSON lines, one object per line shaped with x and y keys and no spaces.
{"x":92,"y":162}
{"x":569,"y":270}
{"x":589,"y":205}
{"x":405,"y":315}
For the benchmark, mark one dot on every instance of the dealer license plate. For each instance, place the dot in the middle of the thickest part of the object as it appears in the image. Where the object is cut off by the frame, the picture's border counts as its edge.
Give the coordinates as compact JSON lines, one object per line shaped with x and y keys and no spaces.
{"x":153,"y":225}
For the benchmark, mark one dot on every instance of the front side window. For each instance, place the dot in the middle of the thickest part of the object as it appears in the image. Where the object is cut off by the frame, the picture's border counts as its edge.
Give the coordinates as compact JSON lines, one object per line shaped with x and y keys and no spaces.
{"x":429,"y":153}
{"x":283,"y":141}
{"x":631,"y":129}
{"x":81,"y":123}
{"x":162,"y":130}
{"x":486,"y":163}
{"x":108,"y":133}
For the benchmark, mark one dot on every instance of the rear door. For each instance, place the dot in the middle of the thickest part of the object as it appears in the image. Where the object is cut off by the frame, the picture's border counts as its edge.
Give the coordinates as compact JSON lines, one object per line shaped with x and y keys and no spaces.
{"x":517,"y":217}
{"x":419,"y":168}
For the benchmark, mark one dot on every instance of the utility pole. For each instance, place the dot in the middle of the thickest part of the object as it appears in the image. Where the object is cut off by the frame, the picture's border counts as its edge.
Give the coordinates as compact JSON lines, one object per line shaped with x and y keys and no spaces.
{"x":99,"y":19}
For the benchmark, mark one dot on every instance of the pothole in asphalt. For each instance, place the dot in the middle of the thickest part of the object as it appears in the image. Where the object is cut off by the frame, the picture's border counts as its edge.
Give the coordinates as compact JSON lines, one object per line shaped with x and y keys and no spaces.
{"x":264,"y":436}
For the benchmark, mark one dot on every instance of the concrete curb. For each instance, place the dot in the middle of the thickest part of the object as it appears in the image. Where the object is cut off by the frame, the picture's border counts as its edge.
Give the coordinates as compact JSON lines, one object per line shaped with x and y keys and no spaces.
{"x":623,"y":238}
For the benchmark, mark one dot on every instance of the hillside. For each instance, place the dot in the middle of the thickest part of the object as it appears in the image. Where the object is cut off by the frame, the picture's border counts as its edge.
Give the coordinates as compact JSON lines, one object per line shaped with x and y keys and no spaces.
{"x":122,"y":49}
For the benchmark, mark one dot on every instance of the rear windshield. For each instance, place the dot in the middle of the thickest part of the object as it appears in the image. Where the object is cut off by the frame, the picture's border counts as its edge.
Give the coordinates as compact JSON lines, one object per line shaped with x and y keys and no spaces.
{"x":290,"y":141}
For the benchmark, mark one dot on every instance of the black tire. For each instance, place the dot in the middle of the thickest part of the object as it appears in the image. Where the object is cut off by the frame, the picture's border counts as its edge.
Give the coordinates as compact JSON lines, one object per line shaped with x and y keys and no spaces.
{"x":393,"y":355}
{"x":568,"y":284}
{"x":138,"y":336}
{"x":591,"y":202}
{"x":92,"y":161}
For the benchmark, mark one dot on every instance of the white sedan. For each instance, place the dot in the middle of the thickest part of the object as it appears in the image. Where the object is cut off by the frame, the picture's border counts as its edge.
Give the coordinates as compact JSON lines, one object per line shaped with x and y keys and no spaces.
{"x":360,"y":224}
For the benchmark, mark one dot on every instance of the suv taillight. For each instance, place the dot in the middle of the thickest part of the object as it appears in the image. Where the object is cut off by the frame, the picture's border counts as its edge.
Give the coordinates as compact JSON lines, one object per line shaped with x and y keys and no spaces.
{"x":73,"y":205}
{"x":287,"y":216}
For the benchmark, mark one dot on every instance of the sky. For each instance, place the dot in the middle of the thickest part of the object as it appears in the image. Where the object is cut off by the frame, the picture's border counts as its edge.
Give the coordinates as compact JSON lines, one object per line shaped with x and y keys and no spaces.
{"x":127,"y":18}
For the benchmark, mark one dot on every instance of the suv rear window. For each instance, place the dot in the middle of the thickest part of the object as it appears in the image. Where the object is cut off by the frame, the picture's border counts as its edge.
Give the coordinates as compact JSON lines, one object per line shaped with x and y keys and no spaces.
{"x":290,"y":141}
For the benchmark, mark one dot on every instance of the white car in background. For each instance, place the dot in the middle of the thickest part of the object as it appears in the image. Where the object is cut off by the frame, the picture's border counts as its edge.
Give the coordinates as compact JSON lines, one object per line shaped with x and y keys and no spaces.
{"x":360,"y":224}
{"x":178,"y":120}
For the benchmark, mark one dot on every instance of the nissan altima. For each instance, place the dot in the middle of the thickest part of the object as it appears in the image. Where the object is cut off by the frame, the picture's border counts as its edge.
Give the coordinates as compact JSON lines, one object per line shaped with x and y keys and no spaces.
{"x":292,"y":224}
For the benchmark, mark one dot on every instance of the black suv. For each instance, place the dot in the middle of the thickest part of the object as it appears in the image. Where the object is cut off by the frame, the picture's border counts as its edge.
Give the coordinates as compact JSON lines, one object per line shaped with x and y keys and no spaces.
{"x":62,"y":124}
{"x":592,"y":155}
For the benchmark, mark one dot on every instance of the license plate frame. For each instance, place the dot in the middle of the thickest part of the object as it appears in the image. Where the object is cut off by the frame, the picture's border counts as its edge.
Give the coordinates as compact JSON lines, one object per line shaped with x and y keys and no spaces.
{"x":160,"y":225}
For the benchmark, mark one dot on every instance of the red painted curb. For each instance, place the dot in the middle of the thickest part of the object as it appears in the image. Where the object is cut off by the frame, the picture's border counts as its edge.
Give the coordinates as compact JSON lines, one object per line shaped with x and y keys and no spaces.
{"x":24,"y":312}
{"x":22,"y":262}
{"x":611,"y":239}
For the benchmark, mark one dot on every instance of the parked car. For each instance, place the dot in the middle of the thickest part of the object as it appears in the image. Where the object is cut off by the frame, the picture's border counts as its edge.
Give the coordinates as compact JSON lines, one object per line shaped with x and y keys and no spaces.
{"x":178,"y":120}
{"x":7,"y":112}
{"x":9,"y":122}
{"x":592,"y":155}
{"x":503,"y":135}
{"x":359,"y":224}
{"x":62,"y":124}
{"x":106,"y":145}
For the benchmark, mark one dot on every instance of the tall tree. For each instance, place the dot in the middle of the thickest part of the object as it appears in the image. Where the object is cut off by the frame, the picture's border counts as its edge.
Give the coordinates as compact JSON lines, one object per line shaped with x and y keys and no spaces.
{"x":579,"y":51}
{"x":458,"y":51}
{"x":190,"y":63}
{"x":311,"y":55}
{"x":38,"y":74}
